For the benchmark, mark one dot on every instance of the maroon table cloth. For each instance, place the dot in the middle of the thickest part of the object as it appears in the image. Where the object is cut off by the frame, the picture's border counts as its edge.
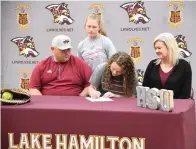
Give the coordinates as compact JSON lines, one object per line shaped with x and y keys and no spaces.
{"x":121,"y":117}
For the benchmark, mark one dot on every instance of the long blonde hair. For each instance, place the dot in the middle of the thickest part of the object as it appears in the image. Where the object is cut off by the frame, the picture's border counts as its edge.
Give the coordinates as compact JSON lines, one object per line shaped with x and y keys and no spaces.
{"x":173,"y":51}
{"x":98,"y":18}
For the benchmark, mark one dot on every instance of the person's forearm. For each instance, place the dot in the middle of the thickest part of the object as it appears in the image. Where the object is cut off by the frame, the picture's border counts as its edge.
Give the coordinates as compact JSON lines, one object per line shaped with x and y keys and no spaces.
{"x":84,"y":92}
{"x":34,"y":91}
{"x":91,"y":89}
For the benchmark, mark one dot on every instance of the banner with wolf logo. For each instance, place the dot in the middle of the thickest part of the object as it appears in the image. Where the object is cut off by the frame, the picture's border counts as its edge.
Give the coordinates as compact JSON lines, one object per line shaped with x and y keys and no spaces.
{"x":27,"y":30}
{"x":26,"y":46}
{"x":136,"y":12}
{"x":61,"y":13}
{"x":182,"y":44}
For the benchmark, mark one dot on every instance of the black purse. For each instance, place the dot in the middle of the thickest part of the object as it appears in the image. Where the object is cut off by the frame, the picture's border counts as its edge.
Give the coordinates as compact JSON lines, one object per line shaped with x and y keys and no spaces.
{"x":19,"y":97}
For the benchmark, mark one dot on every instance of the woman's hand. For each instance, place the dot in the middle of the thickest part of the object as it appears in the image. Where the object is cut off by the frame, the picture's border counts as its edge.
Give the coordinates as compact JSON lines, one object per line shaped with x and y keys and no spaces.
{"x":94,"y":94}
{"x":108,"y":95}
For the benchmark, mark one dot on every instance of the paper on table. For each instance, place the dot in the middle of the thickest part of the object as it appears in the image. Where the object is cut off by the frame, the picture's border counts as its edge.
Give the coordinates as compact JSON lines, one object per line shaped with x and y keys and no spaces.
{"x":100,"y":99}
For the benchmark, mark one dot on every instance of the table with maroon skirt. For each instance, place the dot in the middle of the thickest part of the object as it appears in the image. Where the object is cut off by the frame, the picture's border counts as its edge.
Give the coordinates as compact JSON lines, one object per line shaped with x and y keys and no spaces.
{"x":121,"y":117}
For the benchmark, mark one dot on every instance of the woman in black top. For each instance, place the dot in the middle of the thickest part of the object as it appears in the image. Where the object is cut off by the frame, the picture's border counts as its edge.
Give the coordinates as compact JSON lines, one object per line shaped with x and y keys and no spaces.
{"x":169,"y":71}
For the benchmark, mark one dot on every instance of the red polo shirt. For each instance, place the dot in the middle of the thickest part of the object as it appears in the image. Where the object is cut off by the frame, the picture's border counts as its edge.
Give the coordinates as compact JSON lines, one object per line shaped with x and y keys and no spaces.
{"x":62,"y":79}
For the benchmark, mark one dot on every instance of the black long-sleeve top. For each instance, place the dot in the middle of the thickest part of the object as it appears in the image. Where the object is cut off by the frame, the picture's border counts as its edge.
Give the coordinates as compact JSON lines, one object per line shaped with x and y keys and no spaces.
{"x":180,"y":79}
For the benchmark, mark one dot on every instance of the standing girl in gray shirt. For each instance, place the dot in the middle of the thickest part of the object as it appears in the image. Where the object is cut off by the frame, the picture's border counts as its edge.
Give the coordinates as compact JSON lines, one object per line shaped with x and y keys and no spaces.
{"x":96,"y":48}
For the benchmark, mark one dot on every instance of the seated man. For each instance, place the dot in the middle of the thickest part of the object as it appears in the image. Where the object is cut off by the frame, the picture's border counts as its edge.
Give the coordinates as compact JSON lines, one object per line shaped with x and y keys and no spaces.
{"x":61,"y":74}
{"x":116,"y":78}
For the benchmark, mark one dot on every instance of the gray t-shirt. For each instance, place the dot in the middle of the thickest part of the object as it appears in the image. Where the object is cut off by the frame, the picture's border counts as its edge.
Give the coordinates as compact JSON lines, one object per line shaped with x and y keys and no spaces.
{"x":96,"y":51}
{"x":97,"y":75}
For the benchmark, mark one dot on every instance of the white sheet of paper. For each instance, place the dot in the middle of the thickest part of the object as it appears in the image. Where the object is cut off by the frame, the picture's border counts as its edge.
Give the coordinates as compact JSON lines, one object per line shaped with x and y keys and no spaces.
{"x":100,"y":99}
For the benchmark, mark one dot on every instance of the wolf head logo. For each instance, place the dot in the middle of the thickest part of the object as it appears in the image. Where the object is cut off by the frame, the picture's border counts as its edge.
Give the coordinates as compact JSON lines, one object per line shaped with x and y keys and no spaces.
{"x":61,"y":13}
{"x":136,"y":12}
{"x":183,"y":46}
{"x":66,"y":41}
{"x":140,"y":76}
{"x":26,"y":46}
